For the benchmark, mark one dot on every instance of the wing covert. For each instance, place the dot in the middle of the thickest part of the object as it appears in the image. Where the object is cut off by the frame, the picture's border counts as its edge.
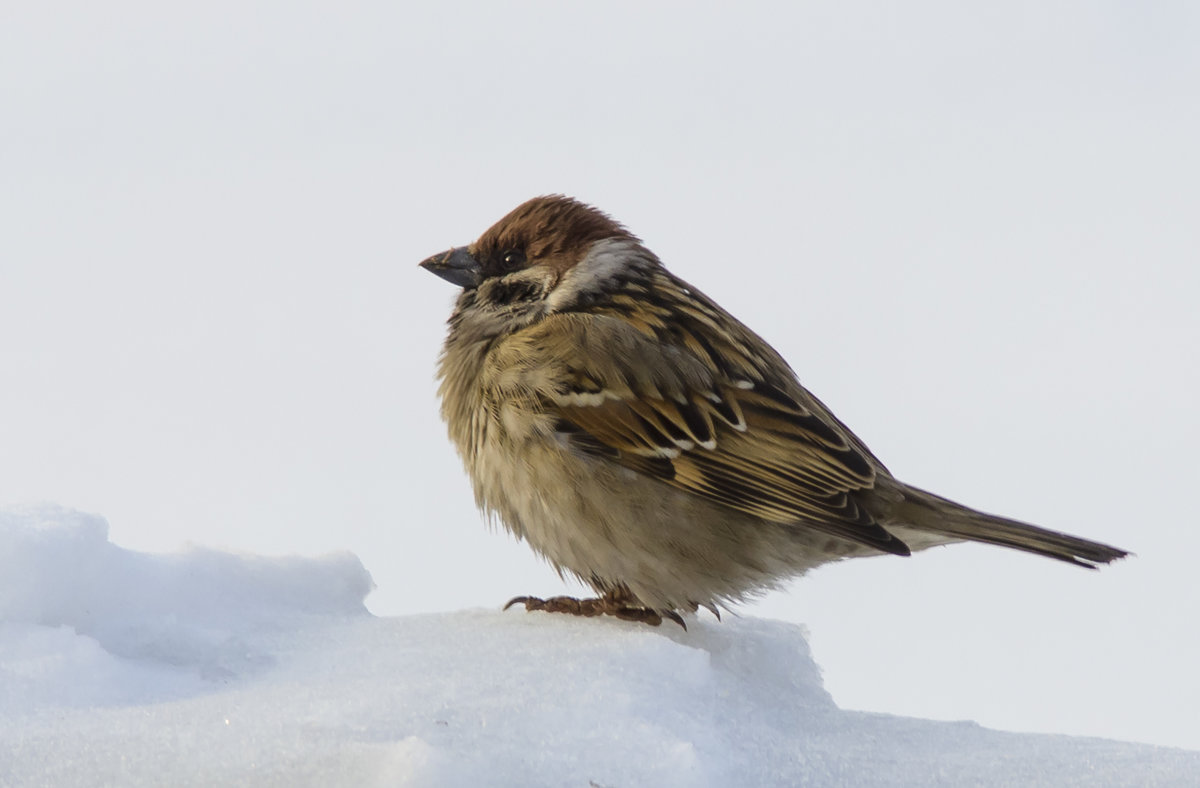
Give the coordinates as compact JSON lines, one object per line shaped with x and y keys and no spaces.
{"x":660,"y":400}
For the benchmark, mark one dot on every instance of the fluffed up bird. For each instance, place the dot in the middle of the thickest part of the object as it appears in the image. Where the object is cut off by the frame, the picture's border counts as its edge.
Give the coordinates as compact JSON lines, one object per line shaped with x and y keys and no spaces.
{"x":641,"y":438}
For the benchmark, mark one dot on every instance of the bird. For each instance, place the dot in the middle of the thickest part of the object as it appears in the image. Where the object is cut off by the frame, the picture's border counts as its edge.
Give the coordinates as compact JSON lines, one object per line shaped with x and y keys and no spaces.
{"x":640,"y":438}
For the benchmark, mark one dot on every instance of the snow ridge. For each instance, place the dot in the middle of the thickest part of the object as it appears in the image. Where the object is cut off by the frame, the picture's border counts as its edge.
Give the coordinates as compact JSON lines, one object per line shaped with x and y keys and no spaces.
{"x":202,"y":668}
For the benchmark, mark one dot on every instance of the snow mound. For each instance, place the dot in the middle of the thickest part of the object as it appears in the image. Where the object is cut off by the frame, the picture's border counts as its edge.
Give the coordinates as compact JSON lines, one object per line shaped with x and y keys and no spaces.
{"x":120,"y":668}
{"x":66,"y":591}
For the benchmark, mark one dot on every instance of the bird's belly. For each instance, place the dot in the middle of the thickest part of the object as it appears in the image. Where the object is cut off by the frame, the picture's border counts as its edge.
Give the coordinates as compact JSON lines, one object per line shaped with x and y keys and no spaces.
{"x":609,"y":525}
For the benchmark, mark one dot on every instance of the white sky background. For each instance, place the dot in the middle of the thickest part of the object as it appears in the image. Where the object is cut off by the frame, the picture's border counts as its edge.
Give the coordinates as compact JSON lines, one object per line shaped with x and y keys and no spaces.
{"x":972,"y":231}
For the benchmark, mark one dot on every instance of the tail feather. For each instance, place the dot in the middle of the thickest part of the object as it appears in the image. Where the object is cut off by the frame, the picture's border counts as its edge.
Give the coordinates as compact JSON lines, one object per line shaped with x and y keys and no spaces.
{"x":928,"y":512}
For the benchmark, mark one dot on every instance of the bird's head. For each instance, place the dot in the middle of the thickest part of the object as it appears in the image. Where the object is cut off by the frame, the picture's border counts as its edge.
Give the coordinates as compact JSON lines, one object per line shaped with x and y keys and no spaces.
{"x":549,"y":254}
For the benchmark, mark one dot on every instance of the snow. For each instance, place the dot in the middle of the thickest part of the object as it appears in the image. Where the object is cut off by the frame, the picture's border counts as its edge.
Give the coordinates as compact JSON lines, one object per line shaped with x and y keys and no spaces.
{"x":198,"y":668}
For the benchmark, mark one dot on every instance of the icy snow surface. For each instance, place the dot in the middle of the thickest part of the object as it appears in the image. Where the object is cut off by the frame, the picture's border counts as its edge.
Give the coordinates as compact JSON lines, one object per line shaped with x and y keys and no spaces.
{"x":203,"y":668}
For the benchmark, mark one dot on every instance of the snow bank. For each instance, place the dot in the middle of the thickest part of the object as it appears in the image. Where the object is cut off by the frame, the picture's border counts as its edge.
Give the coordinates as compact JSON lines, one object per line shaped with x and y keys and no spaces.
{"x":206,"y":668}
{"x":85,"y":621}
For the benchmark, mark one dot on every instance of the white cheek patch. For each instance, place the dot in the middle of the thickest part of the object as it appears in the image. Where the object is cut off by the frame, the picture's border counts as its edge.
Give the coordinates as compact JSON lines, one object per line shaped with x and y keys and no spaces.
{"x":605,"y":261}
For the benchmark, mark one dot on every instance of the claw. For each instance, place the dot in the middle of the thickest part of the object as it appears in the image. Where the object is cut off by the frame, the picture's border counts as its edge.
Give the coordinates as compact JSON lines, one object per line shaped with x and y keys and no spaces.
{"x":619,"y":604}
{"x":678,"y":619}
{"x":637,"y":614}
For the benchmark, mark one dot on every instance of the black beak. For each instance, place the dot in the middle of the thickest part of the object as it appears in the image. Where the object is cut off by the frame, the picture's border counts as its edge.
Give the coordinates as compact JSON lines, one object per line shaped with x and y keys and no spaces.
{"x":456,"y":266}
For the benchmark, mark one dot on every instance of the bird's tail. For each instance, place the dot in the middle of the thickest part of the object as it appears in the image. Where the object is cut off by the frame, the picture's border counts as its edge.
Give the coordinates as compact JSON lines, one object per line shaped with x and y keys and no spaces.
{"x":928,"y":512}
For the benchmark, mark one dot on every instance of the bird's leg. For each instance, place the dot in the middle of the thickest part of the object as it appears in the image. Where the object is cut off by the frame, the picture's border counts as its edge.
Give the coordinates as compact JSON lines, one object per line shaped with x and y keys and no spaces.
{"x":617,"y":602}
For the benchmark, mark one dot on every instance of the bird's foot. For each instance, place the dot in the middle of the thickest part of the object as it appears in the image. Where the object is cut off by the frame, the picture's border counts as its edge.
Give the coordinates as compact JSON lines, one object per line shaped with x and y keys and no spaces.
{"x":619,"y":605}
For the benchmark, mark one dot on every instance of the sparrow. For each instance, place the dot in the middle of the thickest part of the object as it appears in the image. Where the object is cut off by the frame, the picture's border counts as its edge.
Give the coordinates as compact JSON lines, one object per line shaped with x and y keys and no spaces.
{"x":642,"y":439}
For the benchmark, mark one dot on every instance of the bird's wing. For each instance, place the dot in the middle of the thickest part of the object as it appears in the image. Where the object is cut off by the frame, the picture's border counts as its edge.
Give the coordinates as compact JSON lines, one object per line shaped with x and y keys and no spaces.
{"x":696,"y":408}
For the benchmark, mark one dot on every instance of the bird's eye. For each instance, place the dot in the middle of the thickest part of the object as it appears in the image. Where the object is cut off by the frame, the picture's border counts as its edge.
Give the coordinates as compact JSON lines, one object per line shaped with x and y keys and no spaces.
{"x":513,"y":259}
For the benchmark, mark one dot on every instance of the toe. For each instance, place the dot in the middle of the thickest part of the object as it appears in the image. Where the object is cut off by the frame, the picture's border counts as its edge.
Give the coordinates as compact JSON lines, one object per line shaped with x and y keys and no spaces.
{"x":530,"y":602}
